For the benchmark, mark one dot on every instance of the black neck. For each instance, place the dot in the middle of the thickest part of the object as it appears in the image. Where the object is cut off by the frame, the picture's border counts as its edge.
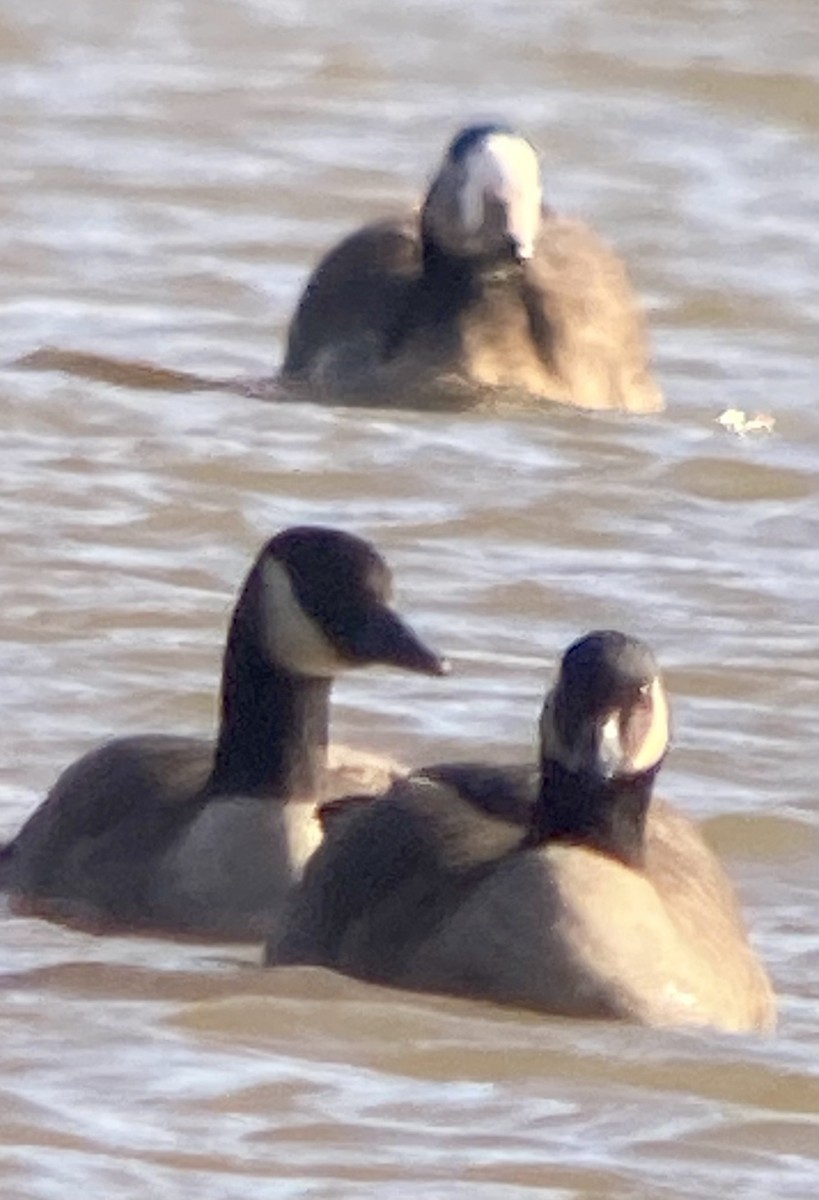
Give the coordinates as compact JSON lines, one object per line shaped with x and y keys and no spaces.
{"x":448,"y":286}
{"x":438,"y":266}
{"x":606,"y":815}
{"x":274,"y":726}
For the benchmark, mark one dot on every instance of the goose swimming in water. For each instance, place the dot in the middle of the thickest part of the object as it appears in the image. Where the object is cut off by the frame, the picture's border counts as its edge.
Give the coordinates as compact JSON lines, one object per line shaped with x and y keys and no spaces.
{"x":183,"y":834}
{"x":481,"y":297}
{"x":571,"y":893}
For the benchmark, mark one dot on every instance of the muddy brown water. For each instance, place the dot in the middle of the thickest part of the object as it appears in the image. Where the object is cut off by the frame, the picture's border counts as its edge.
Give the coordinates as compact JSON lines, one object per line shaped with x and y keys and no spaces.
{"x":170,"y":172}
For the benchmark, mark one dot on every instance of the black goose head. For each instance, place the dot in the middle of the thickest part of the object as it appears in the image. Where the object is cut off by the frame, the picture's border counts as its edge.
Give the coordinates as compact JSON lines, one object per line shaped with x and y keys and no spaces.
{"x":485,"y":203}
{"x":607,"y":715}
{"x":604,"y":734}
{"x":317,"y":602}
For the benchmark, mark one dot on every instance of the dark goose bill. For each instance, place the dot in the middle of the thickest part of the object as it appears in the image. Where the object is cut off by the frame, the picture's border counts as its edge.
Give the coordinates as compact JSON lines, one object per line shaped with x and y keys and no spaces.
{"x":382,"y":637}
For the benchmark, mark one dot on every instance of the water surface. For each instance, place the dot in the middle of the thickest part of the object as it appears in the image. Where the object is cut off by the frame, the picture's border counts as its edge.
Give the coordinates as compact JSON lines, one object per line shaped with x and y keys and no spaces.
{"x":170,"y":173}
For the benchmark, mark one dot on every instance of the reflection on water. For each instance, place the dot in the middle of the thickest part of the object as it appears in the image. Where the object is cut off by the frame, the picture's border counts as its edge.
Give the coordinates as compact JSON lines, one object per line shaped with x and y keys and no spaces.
{"x":171,"y":173}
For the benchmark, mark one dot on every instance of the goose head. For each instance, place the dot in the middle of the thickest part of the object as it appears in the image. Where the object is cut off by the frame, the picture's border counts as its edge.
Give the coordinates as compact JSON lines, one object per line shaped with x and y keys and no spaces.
{"x":317,"y":603}
{"x":485,"y":202}
{"x":604,"y":734}
{"x":607,"y":714}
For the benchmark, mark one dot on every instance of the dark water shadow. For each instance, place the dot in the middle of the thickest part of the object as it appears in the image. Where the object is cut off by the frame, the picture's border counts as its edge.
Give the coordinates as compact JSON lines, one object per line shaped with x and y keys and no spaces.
{"x":140,"y":375}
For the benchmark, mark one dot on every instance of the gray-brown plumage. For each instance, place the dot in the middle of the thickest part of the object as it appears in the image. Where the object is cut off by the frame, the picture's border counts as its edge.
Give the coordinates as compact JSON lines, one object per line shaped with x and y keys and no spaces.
{"x":481,"y":298}
{"x":186,"y":834}
{"x":567,"y":890}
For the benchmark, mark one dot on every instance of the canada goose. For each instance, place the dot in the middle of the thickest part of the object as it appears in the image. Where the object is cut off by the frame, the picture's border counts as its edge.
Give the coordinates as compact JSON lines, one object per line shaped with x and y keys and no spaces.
{"x":183,"y":834}
{"x":591,"y":900}
{"x":480,"y":297}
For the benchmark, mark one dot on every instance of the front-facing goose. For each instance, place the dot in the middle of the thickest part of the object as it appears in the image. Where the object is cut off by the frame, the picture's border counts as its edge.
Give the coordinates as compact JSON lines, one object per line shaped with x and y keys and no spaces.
{"x":482,"y":296}
{"x":182,"y":834}
{"x":589,"y":901}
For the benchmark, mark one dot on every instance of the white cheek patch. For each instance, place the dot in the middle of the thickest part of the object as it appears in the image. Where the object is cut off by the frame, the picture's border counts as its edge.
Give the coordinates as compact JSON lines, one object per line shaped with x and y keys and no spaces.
{"x":610,"y":746}
{"x":292,"y":639}
{"x":615,"y":756}
{"x":506,"y":168}
{"x":655,"y":742}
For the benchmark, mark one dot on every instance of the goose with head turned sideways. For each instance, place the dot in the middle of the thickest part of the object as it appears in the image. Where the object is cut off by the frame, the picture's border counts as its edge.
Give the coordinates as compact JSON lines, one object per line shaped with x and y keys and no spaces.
{"x":187,"y":835}
{"x":568,"y":891}
{"x":482,"y":297}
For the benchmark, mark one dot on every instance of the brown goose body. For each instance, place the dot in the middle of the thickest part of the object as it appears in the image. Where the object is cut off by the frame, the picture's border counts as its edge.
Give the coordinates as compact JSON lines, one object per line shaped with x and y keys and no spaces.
{"x":126,"y":839}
